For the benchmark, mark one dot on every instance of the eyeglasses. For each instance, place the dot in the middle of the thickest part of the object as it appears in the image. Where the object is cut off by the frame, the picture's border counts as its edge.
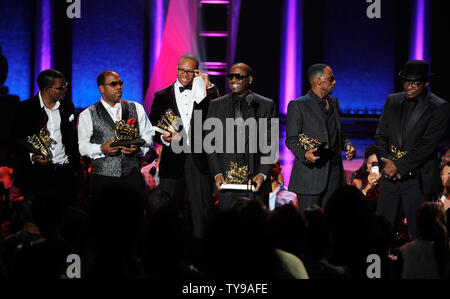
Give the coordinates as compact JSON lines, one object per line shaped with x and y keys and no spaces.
{"x":237,"y":76}
{"x":62,"y":87}
{"x":115,"y":83}
{"x":188,"y":72}
{"x":331,"y":78}
{"x":414,"y":84}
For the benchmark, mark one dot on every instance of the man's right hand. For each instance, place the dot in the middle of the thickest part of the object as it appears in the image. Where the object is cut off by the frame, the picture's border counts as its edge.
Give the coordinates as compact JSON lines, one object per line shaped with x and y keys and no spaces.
{"x":168,"y":137}
{"x":309,"y":155}
{"x":40,"y":159}
{"x":219,"y":181}
{"x":108,"y":150}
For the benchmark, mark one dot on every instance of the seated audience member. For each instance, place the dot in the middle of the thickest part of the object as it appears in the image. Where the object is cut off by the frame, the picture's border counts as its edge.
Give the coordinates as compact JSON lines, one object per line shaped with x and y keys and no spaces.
{"x":149,"y":170}
{"x":428,"y":255}
{"x":445,"y":197}
{"x":365,"y":179}
{"x":163,"y":239}
{"x":445,"y":156}
{"x":288,"y":229}
{"x":115,"y":221}
{"x":354,"y":230}
{"x":280,"y":195}
{"x":318,"y":247}
{"x":239,"y":247}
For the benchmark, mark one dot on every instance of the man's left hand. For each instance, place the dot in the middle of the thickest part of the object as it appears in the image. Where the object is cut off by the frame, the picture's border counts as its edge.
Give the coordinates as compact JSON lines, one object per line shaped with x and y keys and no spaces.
{"x":204,"y":76}
{"x":390,"y":170}
{"x":258,"y":179}
{"x":350,"y":153}
{"x":130,"y":150}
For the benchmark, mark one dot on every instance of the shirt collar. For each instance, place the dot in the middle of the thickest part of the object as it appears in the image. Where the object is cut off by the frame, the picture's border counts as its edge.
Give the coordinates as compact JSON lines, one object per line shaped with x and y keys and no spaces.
{"x":41,"y":102}
{"x":315,"y":97}
{"x":107,"y":106}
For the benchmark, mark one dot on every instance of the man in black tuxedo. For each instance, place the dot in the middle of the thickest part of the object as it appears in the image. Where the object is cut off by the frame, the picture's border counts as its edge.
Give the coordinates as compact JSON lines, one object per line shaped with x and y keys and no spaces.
{"x":243,"y":104}
{"x":186,"y":174}
{"x":51,"y":179}
{"x":413,"y":121}
{"x":317,"y":174}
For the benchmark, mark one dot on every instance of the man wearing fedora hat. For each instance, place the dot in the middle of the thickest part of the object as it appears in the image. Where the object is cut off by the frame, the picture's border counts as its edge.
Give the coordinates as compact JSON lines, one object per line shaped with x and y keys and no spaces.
{"x":407,"y":139}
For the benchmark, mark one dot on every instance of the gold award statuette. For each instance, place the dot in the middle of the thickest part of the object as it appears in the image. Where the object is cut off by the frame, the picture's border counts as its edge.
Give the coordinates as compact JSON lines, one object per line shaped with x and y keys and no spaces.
{"x":396,"y":153}
{"x":40,"y":143}
{"x":167,"y":123}
{"x":236,"y":178}
{"x":126,"y":134}
{"x":308,"y":143}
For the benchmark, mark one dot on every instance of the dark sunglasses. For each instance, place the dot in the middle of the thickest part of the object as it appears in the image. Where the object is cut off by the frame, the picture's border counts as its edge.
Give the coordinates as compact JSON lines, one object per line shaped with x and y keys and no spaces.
{"x":237,"y":76}
{"x":414,"y":84}
{"x":115,"y":83}
{"x":62,"y":87}
{"x":331,"y":78}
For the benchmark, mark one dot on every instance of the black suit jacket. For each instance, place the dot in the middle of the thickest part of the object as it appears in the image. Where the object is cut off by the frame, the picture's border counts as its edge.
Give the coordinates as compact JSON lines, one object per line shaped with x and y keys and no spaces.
{"x":171,"y":164}
{"x":222,"y":108}
{"x":30,"y":118}
{"x":304,"y":116}
{"x":426,"y":126}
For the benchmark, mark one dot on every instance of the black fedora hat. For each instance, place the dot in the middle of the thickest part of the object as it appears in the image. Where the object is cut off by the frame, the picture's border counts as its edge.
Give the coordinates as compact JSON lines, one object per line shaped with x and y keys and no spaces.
{"x":415,"y":70}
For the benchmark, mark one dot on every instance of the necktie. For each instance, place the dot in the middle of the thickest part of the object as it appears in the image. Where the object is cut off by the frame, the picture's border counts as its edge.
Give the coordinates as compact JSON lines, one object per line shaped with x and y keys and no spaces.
{"x":182,"y":88}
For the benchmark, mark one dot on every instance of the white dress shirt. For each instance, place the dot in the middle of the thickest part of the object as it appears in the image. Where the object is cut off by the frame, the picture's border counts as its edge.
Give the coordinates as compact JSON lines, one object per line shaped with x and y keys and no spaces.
{"x":85,"y":129}
{"x":185,"y":102}
{"x":54,"y":127}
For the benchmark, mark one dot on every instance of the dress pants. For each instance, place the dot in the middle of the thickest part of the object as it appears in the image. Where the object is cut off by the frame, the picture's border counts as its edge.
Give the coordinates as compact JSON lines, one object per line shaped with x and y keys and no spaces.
{"x":404,"y":202}
{"x":197,"y":186}
{"x":333,"y":184}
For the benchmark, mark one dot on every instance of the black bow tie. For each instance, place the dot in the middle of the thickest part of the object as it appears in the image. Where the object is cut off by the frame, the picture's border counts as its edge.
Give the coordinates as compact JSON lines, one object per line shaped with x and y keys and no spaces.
{"x":182,"y":88}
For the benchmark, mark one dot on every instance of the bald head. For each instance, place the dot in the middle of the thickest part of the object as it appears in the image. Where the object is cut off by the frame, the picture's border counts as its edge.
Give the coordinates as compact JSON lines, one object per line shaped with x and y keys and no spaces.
{"x":240,"y":78}
{"x":242,"y":66}
{"x":101,"y":77}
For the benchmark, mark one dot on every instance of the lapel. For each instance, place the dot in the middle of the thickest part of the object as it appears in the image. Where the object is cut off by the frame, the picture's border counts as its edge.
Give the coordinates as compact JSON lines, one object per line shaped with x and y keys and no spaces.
{"x":173,"y":100}
{"x":417,"y":113}
{"x":318,"y":116}
{"x":397,"y":124}
{"x":125,"y":110}
{"x":336,"y":118}
{"x":41,"y":117}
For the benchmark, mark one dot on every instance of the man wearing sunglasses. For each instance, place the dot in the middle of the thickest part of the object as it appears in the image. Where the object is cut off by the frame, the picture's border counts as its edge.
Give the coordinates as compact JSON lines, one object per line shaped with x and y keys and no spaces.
{"x":242,"y":103}
{"x":413,"y":121}
{"x":113,"y":165}
{"x":186,"y":175}
{"x":49,"y":180}
{"x":317,"y":173}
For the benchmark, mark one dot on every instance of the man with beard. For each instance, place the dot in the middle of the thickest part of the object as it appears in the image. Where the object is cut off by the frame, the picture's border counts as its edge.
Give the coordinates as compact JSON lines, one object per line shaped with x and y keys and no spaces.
{"x":242,"y":104}
{"x":317,"y":174}
{"x":113,"y":165}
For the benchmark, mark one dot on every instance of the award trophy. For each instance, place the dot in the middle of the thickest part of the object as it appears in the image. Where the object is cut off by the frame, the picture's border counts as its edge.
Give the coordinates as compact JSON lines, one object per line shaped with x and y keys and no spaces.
{"x":40,"y":143}
{"x":308,"y":143}
{"x":126,"y":134}
{"x":396,"y":153}
{"x":237,"y":177}
{"x":167,"y":123}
